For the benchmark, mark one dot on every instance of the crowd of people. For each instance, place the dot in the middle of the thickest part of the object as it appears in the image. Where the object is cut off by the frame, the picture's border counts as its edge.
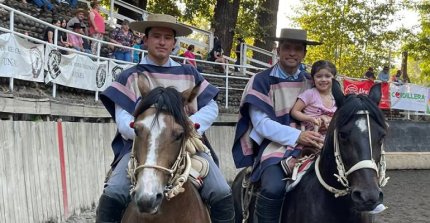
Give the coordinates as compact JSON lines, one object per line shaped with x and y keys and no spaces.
{"x":92,"y":24}
{"x":384,"y":75}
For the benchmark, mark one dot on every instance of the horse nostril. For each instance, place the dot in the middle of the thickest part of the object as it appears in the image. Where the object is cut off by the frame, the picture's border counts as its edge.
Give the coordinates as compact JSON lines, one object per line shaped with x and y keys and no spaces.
{"x":381,"y":197}
{"x":356,"y":195}
{"x":158,"y":197}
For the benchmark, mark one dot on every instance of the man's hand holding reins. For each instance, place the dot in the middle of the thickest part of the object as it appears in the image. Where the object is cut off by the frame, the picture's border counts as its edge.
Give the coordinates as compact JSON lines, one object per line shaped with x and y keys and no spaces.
{"x":310,"y":138}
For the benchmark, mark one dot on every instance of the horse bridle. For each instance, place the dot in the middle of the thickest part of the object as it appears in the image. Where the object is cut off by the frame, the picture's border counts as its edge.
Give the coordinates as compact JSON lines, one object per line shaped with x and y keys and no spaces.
{"x":178,"y":173}
{"x":363,"y":164}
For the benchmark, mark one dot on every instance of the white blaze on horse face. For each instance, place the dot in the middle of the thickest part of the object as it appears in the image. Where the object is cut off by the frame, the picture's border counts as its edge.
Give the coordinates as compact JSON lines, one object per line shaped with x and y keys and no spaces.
{"x":149,"y":176}
{"x":361,"y":123}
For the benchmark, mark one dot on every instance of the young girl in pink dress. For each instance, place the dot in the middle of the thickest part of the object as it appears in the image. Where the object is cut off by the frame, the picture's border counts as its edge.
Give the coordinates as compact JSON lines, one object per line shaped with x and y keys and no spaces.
{"x":315,"y":107}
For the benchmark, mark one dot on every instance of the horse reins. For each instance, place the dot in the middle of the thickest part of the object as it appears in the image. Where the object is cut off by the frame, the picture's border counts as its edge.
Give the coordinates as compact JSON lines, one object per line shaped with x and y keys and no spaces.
{"x":178,"y":173}
{"x":363,"y":164}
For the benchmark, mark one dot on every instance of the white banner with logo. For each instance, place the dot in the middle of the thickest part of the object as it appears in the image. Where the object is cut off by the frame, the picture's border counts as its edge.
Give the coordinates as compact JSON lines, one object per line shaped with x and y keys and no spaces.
{"x":115,"y":69}
{"x":20,"y":58}
{"x":75,"y":70}
{"x":408,"y":97}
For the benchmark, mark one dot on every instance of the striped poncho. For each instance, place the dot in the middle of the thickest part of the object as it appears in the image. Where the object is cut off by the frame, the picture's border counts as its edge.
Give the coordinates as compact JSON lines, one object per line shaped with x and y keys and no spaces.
{"x":125,"y":92}
{"x":274,"y":96}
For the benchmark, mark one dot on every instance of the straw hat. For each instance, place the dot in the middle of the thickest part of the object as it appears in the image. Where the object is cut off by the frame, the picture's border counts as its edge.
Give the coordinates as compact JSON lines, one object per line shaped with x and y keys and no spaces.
{"x":300,"y":35}
{"x":161,"y":20}
{"x":79,"y":10}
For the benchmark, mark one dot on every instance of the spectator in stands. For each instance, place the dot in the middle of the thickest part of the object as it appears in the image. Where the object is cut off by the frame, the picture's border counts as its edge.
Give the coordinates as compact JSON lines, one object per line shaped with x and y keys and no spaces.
{"x":370,"y":75}
{"x":97,"y":24}
{"x":75,"y":40}
{"x":45,"y":4}
{"x":80,"y":14}
{"x":176,"y":49}
{"x":50,"y":32}
{"x":191,"y":56}
{"x":137,"y":45}
{"x":237,"y":51}
{"x":396,"y":77}
{"x":64,"y":34}
{"x":383,"y":75}
{"x":274,"y":51}
{"x":122,"y":36}
{"x":120,"y":100}
{"x":216,"y":54}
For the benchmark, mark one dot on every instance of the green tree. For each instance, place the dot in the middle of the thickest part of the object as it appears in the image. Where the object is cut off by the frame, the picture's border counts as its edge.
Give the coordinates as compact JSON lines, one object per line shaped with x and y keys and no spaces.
{"x":418,"y":45}
{"x":354,"y":33}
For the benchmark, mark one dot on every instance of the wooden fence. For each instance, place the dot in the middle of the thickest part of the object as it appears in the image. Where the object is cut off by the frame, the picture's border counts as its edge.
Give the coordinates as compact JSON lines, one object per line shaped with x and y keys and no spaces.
{"x":50,"y":170}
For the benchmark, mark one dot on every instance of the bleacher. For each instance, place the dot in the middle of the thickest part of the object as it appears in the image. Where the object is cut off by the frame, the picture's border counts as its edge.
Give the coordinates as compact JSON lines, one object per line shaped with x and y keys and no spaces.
{"x":34,"y":21}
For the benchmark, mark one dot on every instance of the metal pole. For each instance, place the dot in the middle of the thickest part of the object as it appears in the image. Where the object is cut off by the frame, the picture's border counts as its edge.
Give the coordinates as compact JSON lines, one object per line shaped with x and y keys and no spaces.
{"x":11,"y":28}
{"x":245,"y":48}
{"x":226,"y":85}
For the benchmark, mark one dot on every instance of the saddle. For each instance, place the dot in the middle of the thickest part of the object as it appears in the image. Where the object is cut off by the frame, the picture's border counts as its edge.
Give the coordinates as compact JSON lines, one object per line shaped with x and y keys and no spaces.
{"x":199,"y":170}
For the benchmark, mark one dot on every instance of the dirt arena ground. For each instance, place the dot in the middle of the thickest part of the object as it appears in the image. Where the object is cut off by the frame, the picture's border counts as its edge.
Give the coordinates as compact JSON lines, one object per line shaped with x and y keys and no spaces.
{"x":407,"y":196}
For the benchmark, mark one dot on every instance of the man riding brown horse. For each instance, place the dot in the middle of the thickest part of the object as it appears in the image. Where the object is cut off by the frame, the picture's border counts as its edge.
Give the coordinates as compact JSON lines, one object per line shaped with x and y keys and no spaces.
{"x":121,"y":98}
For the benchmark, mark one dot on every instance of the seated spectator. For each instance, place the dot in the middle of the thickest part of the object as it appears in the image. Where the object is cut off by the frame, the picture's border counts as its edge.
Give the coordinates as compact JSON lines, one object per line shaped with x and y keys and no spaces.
{"x":122,"y":36}
{"x":383,"y":75}
{"x":216,"y":55}
{"x":370,"y":75}
{"x":61,"y":36}
{"x":80,"y":18}
{"x":50,"y":32}
{"x":396,"y":77}
{"x":75,"y":40}
{"x":137,"y":45}
{"x":190,"y":55}
{"x":175,"y":51}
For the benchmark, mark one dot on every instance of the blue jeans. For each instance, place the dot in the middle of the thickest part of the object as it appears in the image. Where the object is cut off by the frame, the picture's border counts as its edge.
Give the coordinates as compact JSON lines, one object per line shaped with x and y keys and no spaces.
{"x":42,"y":3}
{"x":73,"y":3}
{"x":120,"y":55}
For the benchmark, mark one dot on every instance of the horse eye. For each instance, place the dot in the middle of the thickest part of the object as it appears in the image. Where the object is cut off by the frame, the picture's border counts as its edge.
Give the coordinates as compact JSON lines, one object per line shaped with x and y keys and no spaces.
{"x":179,"y":136}
{"x":343,"y":135}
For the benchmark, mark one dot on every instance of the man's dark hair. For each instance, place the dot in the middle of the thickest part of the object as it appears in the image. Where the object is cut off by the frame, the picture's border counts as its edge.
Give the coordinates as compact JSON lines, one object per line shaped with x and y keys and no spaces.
{"x":149,"y":29}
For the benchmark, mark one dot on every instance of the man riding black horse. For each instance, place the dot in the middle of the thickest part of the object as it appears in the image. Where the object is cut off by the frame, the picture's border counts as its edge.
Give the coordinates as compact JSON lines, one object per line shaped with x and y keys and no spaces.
{"x":265,"y":122}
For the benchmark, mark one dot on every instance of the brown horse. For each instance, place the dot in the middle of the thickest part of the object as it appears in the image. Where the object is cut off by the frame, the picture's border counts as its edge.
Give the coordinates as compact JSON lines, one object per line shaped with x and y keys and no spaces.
{"x":159,"y":158}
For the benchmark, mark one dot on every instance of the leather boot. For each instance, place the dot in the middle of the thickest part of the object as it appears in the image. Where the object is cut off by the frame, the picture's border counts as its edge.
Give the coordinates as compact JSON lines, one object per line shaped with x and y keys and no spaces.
{"x":267,"y":210}
{"x":222,"y":211}
{"x":109,"y":210}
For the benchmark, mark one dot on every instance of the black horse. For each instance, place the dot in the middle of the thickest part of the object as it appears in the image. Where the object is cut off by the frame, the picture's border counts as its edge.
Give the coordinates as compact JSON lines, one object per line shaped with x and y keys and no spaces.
{"x":344,"y":184}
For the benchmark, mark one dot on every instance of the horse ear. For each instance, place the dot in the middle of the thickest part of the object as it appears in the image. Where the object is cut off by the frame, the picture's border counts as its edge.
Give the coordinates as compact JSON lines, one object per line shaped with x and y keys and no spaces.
{"x":143,"y":87}
{"x":337,"y":92}
{"x":375,"y":93}
{"x":189,"y":95}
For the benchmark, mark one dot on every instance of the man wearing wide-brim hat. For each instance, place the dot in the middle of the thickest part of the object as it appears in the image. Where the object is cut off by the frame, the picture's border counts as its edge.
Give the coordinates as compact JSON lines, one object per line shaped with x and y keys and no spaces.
{"x":265,"y":120}
{"x":158,"y":69}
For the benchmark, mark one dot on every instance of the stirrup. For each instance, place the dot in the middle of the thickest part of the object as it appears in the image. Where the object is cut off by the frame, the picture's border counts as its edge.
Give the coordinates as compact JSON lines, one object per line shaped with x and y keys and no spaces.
{"x":287,"y":169}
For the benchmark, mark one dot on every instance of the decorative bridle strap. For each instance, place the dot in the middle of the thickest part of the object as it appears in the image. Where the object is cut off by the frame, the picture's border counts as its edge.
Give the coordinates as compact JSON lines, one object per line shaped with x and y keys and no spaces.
{"x":363,"y":164}
{"x":180,"y":170}
{"x":336,"y":192}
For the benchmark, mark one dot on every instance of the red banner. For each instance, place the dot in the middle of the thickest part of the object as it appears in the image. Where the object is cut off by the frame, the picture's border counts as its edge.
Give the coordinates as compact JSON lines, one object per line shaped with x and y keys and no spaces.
{"x":363,"y":87}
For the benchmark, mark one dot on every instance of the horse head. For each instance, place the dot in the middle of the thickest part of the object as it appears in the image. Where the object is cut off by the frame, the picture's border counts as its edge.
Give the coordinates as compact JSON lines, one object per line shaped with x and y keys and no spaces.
{"x":352,"y":161}
{"x":162,"y":127}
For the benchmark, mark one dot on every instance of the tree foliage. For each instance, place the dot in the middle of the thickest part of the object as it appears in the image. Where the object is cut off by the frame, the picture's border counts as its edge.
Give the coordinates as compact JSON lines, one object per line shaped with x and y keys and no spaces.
{"x":418,"y":45}
{"x":354,"y":33}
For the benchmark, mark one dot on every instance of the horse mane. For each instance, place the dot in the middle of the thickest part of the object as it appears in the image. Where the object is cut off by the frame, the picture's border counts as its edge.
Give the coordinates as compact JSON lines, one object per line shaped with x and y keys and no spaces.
{"x":167,"y":100}
{"x":353,"y":104}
